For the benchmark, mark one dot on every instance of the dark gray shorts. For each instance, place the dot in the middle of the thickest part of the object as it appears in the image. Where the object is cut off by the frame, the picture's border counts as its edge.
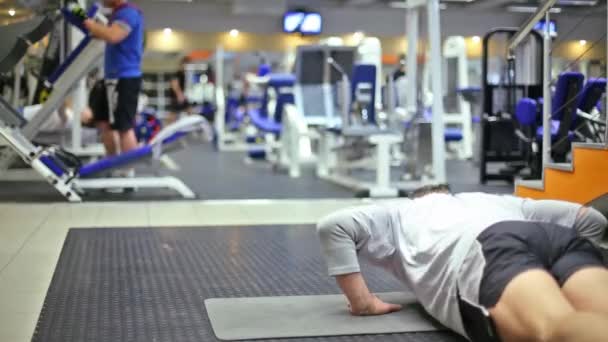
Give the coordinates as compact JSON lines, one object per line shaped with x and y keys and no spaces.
{"x":513,"y":247}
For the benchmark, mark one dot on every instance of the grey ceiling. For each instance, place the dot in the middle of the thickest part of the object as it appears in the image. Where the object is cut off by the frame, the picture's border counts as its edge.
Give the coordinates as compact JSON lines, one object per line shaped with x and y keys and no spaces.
{"x":23,"y":7}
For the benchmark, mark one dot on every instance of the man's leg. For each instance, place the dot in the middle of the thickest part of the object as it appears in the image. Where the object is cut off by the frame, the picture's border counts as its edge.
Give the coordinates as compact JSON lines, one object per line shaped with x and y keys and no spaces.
{"x":532,"y":308}
{"x":126,"y":110}
{"x":529,"y":307}
{"x":108,"y":137}
{"x":587,"y":290}
{"x":581,"y":327}
{"x":526,"y":262}
{"x":128,"y":141}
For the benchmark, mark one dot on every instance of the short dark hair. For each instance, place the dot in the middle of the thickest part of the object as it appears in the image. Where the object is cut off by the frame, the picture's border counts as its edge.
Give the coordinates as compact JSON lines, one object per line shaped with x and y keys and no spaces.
{"x":431,"y":189}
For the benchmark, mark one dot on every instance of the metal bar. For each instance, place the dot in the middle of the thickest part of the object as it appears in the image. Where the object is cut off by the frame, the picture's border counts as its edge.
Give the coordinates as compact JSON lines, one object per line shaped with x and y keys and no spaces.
{"x":546,"y":153}
{"x":346,"y":101}
{"x":166,"y":182}
{"x":529,"y":25}
{"x":391,"y":101}
{"x":17,"y":73}
{"x":438,"y":140}
{"x":220,"y":99}
{"x":415,"y":3}
{"x":77,"y":70}
{"x":412,"y":62}
{"x":79,"y":97}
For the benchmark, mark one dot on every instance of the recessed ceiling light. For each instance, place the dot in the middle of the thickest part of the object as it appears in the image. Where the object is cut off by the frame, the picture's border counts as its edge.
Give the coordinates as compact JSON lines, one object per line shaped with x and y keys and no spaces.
{"x":531,"y":9}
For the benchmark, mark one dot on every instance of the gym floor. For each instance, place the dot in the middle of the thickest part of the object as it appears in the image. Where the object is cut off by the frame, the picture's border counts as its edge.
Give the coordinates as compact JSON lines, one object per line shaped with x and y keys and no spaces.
{"x":224,"y":176}
{"x":32,"y":236}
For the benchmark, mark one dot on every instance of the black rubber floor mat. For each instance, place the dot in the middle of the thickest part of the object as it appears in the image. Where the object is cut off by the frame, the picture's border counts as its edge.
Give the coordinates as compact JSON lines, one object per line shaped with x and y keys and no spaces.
{"x":149,"y":284}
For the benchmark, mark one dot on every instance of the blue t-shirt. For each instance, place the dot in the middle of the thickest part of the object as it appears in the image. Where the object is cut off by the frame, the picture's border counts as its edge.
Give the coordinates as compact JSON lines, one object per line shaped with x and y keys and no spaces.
{"x":123,"y":60}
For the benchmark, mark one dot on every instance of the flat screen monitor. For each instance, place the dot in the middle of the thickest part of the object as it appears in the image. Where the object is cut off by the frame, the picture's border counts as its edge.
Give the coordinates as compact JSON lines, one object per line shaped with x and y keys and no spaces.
{"x":310,"y":66}
{"x":312,"y":24}
{"x":307,"y":23}
{"x":292,"y":21}
{"x":541,"y":25}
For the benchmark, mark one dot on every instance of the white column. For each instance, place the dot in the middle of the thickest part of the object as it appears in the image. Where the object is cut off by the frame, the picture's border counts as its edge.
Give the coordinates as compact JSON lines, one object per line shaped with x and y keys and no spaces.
{"x":17,"y":72}
{"x":546,"y":157}
{"x":79,"y":96}
{"x":383,"y":164}
{"x":220,"y":99}
{"x":438,"y":128}
{"x":411,"y":27}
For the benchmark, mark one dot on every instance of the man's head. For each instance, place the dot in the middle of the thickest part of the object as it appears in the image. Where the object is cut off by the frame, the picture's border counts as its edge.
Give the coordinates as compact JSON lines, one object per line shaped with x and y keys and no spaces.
{"x":112,"y":3}
{"x":431,"y":189}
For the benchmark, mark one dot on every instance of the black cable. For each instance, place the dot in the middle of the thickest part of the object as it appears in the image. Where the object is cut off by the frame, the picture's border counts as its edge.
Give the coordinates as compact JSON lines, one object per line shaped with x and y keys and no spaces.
{"x":601,"y":39}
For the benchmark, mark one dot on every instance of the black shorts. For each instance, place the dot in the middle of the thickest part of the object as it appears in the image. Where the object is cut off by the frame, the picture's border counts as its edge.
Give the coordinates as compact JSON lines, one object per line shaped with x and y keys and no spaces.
{"x":121,"y":110}
{"x":513,"y":247}
{"x":178,"y":107}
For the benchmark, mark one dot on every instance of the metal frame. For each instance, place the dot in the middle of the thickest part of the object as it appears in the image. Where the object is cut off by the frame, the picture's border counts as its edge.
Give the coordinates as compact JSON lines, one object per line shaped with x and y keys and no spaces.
{"x":434,"y":33}
{"x":79,"y":101}
{"x":327,"y":164}
{"x":330,"y":117}
{"x":455,"y":47}
{"x":167,"y":182}
{"x":546,"y":150}
{"x":518,"y":38}
{"x":61,"y":89}
{"x":226,"y":141}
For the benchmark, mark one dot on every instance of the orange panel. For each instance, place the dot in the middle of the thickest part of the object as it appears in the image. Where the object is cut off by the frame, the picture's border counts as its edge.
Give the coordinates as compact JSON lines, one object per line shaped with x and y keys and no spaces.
{"x":588,"y":181}
{"x":198,"y":55}
{"x":390,"y":59}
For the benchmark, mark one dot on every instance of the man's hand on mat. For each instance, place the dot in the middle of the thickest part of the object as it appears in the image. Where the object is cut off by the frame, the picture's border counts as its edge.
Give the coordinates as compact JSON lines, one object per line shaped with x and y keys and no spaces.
{"x":374,"y":307}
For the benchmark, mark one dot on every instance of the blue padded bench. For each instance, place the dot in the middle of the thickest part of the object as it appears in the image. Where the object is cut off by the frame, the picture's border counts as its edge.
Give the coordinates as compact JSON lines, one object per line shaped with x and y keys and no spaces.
{"x":568,"y":85}
{"x":107,"y":163}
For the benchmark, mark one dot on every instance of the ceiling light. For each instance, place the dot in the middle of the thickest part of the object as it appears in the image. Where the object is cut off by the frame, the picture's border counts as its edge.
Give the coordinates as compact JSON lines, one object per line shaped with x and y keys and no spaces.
{"x":582,"y":42}
{"x":11,"y":12}
{"x":404,"y":5}
{"x":530,"y":9}
{"x":397,"y":4}
{"x":167,"y":31}
{"x":358,"y":35}
{"x":476,"y":39}
{"x":577,"y":2}
{"x":234,"y":33}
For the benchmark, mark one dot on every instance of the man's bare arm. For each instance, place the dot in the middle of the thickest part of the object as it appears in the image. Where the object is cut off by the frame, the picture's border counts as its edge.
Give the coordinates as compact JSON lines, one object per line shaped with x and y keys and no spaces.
{"x":588,"y":222}
{"x":361,"y":301}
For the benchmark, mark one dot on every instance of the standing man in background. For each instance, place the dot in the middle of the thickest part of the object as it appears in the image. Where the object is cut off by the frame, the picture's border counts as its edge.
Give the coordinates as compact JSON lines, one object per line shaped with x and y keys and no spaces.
{"x":124,"y":36}
{"x":179,"y":102}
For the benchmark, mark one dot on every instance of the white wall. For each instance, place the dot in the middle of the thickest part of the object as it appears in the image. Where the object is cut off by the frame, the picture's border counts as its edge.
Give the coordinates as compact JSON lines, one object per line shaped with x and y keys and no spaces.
{"x":200,"y":17}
